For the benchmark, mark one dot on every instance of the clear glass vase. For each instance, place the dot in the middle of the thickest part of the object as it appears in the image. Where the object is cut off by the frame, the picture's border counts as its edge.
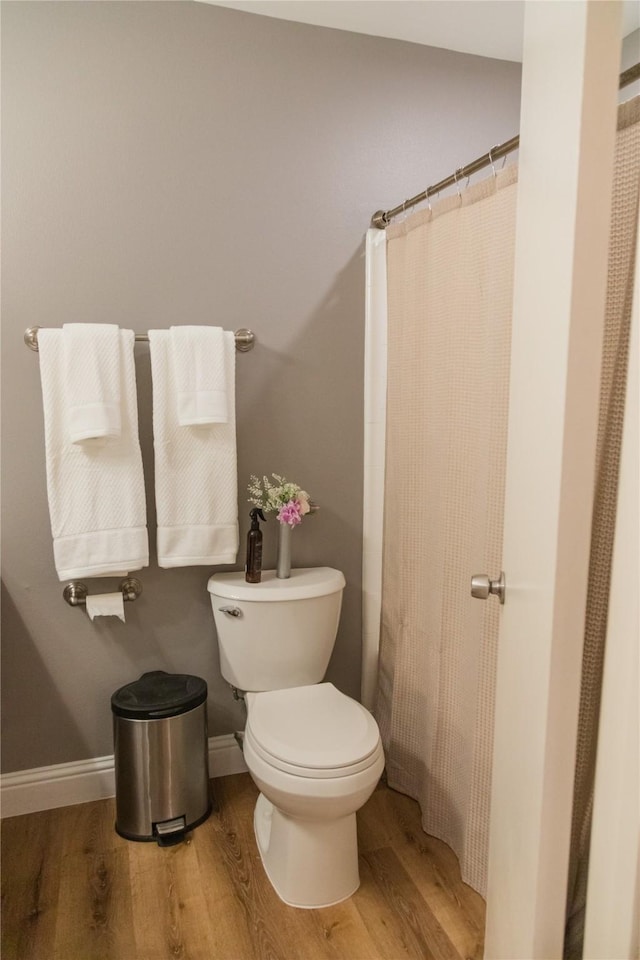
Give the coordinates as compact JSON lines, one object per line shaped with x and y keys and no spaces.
{"x":283,"y":567}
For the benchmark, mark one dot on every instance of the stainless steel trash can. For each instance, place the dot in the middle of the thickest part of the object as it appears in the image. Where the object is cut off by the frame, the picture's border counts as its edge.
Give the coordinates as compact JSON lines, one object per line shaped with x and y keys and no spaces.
{"x":161,"y":757}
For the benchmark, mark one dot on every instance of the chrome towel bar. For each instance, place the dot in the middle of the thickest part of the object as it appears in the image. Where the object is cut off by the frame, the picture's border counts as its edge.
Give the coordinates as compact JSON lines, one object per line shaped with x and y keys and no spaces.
{"x":245,"y":339}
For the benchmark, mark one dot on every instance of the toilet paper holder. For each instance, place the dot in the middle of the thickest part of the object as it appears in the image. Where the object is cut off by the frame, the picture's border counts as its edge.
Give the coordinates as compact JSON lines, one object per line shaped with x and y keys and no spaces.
{"x":75,"y":593}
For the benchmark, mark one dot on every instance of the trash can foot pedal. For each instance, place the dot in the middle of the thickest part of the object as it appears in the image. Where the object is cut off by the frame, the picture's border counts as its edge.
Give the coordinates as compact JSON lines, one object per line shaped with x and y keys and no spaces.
{"x":169,"y":832}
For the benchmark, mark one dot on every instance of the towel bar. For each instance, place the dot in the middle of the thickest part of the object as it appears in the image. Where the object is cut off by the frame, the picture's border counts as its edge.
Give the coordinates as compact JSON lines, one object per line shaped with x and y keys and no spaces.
{"x":75,"y":593}
{"x":245,"y":339}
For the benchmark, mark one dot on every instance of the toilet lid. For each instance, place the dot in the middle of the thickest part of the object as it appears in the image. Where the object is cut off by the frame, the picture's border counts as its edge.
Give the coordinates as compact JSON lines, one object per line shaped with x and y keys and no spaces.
{"x":313,"y":727}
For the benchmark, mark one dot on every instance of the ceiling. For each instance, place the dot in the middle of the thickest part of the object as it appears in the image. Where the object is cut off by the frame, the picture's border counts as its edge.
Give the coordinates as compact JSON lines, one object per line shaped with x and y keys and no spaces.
{"x":489,"y":28}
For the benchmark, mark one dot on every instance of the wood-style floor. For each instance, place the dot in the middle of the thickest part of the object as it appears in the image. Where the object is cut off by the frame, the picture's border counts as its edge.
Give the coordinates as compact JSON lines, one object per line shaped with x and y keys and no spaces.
{"x":73,"y":890}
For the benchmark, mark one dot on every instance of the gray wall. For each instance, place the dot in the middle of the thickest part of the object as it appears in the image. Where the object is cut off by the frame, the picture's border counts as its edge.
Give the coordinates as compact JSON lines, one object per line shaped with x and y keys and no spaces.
{"x":173,"y":163}
{"x":630,"y":56}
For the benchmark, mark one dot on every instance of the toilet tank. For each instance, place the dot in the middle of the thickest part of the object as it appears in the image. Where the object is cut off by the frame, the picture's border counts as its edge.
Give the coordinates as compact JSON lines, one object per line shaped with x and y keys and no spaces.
{"x":277,"y":633}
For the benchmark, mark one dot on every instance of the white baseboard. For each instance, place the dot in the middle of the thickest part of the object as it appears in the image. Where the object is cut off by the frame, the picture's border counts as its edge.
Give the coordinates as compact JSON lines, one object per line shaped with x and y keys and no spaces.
{"x":225,"y":756}
{"x":65,"y":784}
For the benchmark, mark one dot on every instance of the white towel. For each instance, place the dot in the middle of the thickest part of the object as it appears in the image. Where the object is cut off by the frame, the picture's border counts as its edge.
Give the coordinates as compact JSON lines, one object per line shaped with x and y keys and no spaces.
{"x":96,"y":493}
{"x":199,"y":364}
{"x":196,"y":470}
{"x":91,"y":358}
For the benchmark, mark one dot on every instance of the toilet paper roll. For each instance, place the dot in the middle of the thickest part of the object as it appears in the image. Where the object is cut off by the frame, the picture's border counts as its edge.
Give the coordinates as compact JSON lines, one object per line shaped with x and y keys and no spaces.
{"x":105,"y":605}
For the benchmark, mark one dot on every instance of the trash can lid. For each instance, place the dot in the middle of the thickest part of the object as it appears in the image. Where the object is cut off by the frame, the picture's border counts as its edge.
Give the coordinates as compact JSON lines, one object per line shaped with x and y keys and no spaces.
{"x":157,"y":695}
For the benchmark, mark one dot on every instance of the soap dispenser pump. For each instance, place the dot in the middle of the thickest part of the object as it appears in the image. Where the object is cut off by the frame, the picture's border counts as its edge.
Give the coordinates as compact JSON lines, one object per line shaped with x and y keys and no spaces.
{"x":253,"y":568}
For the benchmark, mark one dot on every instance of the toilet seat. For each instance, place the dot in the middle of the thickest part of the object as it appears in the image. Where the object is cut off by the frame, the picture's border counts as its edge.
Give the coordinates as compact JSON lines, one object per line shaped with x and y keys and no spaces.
{"x":312,"y":731}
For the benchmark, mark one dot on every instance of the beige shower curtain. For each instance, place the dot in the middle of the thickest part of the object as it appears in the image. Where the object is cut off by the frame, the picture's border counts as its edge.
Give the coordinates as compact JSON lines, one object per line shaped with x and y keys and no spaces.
{"x":450,"y":277}
{"x":622,"y":256}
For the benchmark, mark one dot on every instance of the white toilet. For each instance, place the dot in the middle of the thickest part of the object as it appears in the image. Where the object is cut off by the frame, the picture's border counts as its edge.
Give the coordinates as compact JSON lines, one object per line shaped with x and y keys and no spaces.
{"x":314,"y":753}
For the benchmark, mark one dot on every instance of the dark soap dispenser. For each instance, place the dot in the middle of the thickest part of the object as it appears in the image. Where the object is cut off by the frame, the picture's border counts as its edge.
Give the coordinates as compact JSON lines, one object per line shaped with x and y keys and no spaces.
{"x":253,"y":568}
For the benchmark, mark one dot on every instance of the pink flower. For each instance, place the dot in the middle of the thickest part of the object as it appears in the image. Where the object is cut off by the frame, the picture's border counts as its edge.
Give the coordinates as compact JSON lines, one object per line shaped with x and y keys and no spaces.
{"x":290,"y":513}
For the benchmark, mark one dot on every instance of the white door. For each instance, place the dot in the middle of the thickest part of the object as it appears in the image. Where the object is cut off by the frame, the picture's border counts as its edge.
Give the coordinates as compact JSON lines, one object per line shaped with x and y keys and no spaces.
{"x":570,"y":72}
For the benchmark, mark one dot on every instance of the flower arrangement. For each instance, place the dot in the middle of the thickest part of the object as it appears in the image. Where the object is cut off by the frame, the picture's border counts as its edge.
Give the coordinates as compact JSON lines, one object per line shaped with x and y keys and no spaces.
{"x":288,"y":499}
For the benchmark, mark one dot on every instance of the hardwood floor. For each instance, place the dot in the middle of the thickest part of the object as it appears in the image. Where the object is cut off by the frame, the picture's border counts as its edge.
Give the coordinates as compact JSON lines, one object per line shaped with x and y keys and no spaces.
{"x":72,"y":889}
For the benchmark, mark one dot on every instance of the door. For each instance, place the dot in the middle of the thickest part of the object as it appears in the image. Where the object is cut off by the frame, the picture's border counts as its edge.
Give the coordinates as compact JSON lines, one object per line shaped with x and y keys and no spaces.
{"x":569,"y":99}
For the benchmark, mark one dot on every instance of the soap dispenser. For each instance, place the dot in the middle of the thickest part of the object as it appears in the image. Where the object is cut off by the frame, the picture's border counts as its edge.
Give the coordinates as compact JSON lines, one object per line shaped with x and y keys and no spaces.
{"x":253,"y":567}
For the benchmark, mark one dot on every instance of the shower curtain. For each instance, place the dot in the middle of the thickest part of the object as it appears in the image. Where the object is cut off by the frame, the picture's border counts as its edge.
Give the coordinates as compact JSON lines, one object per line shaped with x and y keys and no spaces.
{"x":615,"y":349}
{"x":449,"y":277}
{"x":449,"y":280}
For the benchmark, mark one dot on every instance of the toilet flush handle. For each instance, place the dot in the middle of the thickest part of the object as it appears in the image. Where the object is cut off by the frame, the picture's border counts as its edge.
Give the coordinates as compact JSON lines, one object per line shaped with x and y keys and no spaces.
{"x":232,"y":611}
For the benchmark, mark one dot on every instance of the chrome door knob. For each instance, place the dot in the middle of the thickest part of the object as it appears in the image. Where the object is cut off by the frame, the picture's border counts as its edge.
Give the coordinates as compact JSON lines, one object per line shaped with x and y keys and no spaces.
{"x":482,"y":587}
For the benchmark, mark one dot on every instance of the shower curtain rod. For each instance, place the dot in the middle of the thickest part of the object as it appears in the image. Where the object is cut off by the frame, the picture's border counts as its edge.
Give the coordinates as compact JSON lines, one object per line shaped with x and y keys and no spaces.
{"x":382,"y":218}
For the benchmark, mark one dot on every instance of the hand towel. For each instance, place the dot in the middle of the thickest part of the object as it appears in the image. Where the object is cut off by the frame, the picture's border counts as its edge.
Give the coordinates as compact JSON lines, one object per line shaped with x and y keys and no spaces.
{"x":96,"y":493}
{"x":196,"y":469}
{"x":198,"y":359}
{"x":91,"y":358}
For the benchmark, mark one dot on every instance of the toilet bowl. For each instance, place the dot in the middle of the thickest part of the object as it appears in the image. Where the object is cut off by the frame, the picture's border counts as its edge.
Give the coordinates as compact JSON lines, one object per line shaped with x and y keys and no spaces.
{"x":316,"y":757}
{"x":314,"y":753}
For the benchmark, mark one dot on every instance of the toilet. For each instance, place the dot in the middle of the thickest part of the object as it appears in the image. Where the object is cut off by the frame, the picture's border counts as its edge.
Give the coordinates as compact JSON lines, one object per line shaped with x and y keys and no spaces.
{"x":314,"y":753}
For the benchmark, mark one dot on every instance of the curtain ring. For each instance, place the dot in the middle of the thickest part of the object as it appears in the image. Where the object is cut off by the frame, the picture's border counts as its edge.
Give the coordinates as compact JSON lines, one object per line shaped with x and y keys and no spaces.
{"x":455,"y":177}
{"x":493,"y":168}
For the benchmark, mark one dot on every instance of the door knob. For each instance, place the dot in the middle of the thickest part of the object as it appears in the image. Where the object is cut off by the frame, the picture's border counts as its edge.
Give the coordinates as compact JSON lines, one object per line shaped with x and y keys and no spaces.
{"x":482,"y":587}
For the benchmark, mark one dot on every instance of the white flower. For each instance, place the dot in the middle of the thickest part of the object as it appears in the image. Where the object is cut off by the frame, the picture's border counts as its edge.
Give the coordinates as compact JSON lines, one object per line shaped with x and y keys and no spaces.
{"x":272,"y":496}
